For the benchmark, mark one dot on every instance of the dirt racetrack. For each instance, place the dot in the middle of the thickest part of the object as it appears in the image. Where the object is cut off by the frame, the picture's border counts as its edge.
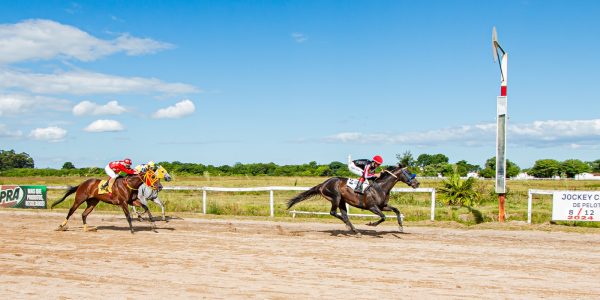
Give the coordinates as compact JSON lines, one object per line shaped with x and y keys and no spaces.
{"x":207,"y":258}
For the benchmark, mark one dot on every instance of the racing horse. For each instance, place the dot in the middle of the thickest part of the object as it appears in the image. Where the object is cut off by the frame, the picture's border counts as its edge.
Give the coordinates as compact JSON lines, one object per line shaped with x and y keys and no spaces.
{"x":150,"y":192}
{"x":123,"y":191}
{"x":375,"y":198}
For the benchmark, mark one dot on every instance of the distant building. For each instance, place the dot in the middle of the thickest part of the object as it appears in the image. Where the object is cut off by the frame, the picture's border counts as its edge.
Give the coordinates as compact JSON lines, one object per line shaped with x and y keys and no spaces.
{"x":587,"y":176}
{"x":473,"y":174}
{"x":523,"y":176}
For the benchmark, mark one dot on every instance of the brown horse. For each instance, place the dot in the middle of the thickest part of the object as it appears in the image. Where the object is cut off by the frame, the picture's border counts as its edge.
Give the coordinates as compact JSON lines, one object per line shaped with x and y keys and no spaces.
{"x":375,"y":198}
{"x":122,"y":194}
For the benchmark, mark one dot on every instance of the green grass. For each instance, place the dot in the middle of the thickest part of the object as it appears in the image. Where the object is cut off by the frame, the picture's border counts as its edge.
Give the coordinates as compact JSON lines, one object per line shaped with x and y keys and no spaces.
{"x":415,"y":206}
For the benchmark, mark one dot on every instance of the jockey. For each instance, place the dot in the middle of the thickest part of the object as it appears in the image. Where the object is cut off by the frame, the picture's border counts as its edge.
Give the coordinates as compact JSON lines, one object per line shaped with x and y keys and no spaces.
{"x":116,"y":168}
{"x":148,"y":166}
{"x":365,"y":169}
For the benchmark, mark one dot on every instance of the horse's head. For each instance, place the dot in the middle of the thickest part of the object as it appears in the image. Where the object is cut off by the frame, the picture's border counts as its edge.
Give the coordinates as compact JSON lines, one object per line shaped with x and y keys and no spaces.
{"x":401,"y":173}
{"x":161,"y":173}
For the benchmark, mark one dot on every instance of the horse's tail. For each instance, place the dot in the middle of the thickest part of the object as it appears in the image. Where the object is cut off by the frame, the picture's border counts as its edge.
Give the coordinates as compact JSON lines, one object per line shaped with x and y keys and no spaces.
{"x":70,"y":190}
{"x":314,"y":191}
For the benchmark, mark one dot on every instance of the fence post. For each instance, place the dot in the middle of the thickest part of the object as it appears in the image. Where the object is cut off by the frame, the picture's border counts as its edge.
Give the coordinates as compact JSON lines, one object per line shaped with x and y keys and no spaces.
{"x":203,"y":201}
{"x":271,"y":203}
{"x":433,"y":205}
{"x":529,"y":200}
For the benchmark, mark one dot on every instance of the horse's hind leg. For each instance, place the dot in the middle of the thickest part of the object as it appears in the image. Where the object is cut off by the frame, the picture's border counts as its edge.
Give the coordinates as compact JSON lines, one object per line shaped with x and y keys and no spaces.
{"x":91,"y":204}
{"x":79,"y":198}
{"x":345,"y":219}
{"x":377,"y":211}
{"x":398,"y":215}
{"x":147,"y":210}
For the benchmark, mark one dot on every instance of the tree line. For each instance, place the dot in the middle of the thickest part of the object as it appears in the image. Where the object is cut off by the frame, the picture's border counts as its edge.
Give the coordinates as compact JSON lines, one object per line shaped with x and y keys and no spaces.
{"x":434,"y":164}
{"x":428,"y":165}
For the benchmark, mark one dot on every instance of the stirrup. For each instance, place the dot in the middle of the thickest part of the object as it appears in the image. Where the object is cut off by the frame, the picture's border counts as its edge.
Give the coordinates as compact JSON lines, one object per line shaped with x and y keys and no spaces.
{"x":358,"y":189}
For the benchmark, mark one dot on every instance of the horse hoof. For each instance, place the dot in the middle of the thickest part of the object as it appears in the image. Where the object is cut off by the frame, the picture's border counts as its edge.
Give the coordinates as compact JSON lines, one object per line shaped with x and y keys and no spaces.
{"x":62,"y":228}
{"x":90,"y":229}
{"x":358,"y":234}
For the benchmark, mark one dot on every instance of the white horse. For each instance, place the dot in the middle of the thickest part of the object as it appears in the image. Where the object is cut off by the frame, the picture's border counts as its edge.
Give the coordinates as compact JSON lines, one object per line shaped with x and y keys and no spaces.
{"x":146,"y":192}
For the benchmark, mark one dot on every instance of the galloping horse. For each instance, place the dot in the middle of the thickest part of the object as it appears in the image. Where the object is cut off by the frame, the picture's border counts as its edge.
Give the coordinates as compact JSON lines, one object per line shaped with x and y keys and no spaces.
{"x":150,"y":192}
{"x":374,"y":199}
{"x":122,"y":194}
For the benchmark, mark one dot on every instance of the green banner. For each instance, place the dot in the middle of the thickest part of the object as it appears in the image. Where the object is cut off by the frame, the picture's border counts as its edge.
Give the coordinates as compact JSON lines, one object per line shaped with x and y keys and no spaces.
{"x":23,"y":196}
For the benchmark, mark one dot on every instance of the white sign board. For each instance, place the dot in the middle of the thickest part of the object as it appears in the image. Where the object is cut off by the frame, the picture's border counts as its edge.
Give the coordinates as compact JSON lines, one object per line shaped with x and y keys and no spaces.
{"x":576,"y":206}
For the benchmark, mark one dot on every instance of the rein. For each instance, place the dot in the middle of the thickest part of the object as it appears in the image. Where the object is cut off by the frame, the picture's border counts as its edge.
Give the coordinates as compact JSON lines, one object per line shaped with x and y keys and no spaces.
{"x":129,"y":187}
{"x":391,"y":173}
{"x":133,"y":189}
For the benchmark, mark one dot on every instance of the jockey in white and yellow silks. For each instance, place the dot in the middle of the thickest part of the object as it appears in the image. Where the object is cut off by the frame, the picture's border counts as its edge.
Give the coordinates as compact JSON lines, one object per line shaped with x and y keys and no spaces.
{"x":145,"y":167}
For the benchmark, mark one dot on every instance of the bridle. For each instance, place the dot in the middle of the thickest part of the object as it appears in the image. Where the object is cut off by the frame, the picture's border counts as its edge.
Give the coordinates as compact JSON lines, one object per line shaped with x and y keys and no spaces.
{"x":408,"y":176}
{"x":148,"y":178}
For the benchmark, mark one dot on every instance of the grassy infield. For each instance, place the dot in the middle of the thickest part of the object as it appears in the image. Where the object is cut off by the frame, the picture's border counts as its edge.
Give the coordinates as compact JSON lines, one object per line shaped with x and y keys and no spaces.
{"x":415,"y":206}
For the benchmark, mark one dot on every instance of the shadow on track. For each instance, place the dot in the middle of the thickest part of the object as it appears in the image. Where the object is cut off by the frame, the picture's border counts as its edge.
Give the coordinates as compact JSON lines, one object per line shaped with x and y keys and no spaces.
{"x":372,"y":233}
{"x":118,"y":228}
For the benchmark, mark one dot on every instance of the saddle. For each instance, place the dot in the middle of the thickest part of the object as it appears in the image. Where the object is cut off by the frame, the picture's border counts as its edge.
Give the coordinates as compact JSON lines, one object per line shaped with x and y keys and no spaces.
{"x":352,"y":183}
{"x":108,"y":188}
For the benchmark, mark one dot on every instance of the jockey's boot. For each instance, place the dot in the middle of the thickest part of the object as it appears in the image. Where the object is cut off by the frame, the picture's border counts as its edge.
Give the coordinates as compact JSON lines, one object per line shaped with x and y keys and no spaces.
{"x":104,"y":186}
{"x":358,"y":187}
{"x":110,"y":184}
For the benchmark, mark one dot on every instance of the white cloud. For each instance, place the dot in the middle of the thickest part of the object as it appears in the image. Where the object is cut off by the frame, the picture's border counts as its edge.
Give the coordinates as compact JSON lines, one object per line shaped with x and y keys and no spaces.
{"x":38,"y":39}
{"x":299,"y":37}
{"x":104,"y":126}
{"x":82,"y":83}
{"x":5,"y":132}
{"x":14,"y":104}
{"x":181,"y":109}
{"x":538,"y":134}
{"x":51,"y":134}
{"x":91,"y":108}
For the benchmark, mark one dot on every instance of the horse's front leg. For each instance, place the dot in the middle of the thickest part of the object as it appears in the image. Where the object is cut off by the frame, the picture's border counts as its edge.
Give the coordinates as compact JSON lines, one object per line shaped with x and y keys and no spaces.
{"x":126,"y":212}
{"x":377,"y":211}
{"x":398,"y":215}
{"x":162,"y":207}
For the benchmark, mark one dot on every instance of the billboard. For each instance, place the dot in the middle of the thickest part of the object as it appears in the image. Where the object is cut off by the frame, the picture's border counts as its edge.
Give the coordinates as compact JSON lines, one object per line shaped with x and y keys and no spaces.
{"x":576,"y":206}
{"x":23,"y":196}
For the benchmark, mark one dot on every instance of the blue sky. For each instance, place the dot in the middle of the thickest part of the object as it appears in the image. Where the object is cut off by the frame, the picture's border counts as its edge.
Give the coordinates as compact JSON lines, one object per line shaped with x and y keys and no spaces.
{"x":290,"y":82}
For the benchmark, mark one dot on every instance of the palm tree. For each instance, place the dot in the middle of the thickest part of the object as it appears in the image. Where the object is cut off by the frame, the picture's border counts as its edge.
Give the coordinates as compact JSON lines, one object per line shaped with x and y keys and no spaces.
{"x":458,"y":192}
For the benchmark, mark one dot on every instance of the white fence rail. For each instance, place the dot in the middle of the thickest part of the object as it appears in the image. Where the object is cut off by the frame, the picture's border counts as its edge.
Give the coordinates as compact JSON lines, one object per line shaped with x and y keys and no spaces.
{"x":271,"y":190}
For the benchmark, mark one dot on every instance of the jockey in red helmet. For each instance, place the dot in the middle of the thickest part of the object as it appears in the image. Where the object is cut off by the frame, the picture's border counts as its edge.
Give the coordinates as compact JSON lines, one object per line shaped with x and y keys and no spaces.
{"x":365,"y":169}
{"x":114,"y":169}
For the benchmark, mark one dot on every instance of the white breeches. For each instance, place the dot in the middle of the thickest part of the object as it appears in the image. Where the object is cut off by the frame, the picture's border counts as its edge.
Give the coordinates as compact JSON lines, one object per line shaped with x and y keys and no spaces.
{"x":110,"y":172}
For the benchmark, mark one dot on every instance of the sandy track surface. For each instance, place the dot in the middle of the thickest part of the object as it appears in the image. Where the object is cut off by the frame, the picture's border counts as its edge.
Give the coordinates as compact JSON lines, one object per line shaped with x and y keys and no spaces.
{"x":204,"y":258}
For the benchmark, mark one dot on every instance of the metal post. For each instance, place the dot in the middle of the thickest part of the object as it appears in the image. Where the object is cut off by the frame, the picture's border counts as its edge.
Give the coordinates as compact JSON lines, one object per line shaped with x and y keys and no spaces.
{"x":501,"y":120}
{"x":271,"y":203}
{"x":433,"y":205}
{"x":204,"y":201}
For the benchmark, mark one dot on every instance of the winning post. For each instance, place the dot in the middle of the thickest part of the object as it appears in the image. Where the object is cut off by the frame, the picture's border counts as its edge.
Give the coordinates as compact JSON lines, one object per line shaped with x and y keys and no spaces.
{"x":501,"y":118}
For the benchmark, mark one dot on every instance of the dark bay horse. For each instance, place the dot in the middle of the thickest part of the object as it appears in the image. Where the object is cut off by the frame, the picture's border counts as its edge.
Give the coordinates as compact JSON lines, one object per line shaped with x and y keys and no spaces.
{"x":122,"y":194}
{"x":375,"y":199}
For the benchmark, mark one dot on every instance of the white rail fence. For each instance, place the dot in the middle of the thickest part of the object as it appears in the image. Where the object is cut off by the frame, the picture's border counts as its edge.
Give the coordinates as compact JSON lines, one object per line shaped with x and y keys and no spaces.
{"x":530,"y":194}
{"x":272,"y":189}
